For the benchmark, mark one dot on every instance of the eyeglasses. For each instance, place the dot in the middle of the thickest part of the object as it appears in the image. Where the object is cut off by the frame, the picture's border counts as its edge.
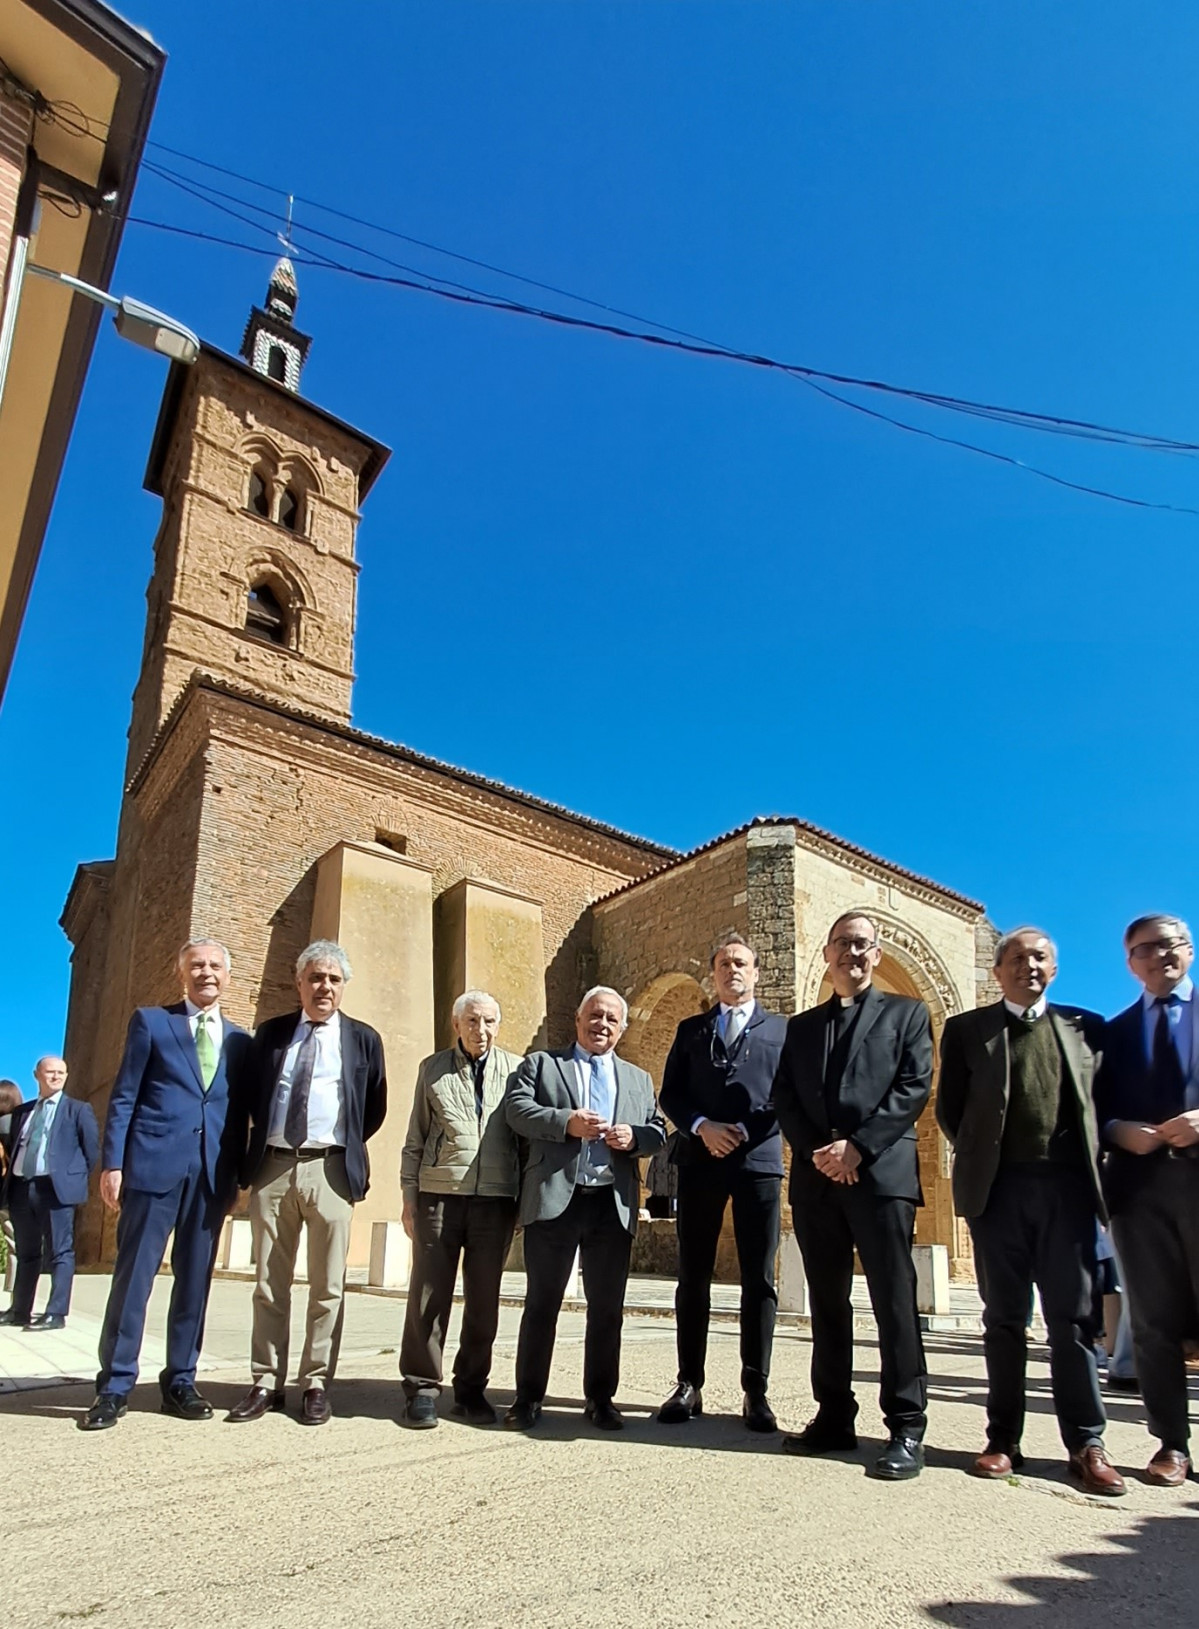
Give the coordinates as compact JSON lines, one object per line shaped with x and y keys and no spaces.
{"x":858,"y":946}
{"x":720,"y":1058}
{"x":1155,"y":947}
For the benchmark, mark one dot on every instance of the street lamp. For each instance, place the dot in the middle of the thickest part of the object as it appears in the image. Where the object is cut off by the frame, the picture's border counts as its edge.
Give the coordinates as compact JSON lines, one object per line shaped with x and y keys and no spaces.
{"x":133,"y":319}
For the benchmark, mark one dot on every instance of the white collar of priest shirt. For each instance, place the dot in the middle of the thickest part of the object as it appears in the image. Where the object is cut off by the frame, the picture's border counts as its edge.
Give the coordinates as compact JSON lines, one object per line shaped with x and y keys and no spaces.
{"x":1037,"y":1009}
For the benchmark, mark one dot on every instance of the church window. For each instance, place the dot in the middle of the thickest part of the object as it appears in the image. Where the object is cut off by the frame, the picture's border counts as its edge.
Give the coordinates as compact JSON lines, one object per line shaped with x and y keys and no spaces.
{"x":289,"y":509}
{"x":265,"y":616}
{"x":276,"y":364}
{"x":259,"y":497}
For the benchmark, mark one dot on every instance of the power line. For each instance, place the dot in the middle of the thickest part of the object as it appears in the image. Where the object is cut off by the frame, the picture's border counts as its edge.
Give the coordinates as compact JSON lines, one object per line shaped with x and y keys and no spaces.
{"x":564,"y":319}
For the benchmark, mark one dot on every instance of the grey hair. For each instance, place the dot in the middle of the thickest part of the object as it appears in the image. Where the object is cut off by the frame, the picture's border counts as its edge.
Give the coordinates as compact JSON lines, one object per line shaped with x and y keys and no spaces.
{"x":324,"y":950}
{"x":474,"y":998}
{"x":1010,"y":937}
{"x":195,"y":944}
{"x":1156,"y":919}
{"x":606,"y":989}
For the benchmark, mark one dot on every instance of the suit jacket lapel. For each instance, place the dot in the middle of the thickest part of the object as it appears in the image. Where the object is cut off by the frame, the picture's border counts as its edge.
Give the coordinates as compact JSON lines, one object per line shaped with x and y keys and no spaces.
{"x":872,"y":1006}
{"x":570,"y":1076}
{"x":1070,"y":1043}
{"x":992,"y":1023}
{"x":620,"y":1092}
{"x":181,"y":1030}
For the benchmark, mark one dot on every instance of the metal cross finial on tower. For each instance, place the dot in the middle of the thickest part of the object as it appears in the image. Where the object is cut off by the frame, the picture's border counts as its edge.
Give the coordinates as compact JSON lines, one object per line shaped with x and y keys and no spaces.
{"x":285,"y":236}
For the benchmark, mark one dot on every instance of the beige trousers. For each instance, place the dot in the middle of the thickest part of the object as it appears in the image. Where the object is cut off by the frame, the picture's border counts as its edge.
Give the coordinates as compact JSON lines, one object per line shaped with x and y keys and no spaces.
{"x":292,"y":1191}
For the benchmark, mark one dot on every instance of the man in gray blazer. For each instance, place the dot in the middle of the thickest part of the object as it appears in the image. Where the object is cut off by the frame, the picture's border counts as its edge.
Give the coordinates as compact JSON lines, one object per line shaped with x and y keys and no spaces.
{"x":1015,"y":1101}
{"x":587,"y":1116}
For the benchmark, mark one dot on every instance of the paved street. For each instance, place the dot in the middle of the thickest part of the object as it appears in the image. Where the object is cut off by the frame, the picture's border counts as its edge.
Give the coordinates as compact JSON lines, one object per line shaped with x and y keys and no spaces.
{"x":161,"y":1524}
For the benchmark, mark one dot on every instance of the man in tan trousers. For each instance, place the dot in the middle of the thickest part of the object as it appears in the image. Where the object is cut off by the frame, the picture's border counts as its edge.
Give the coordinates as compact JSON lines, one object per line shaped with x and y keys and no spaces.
{"x":314,"y":1090}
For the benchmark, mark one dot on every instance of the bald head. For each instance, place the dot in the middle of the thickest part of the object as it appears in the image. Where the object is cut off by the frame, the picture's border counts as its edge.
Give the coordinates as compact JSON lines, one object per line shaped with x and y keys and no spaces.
{"x":51,"y":1075}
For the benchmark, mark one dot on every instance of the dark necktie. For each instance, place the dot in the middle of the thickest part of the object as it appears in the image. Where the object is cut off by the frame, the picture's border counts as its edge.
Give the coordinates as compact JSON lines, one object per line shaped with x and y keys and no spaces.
{"x":1168,"y":1079}
{"x":295,"y":1124}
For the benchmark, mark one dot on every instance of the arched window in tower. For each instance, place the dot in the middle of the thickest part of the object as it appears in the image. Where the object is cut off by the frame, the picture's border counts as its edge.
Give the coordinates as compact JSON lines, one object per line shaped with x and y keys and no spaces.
{"x":276,"y":364}
{"x":258,"y":498}
{"x":290,"y":509}
{"x":265,"y":615}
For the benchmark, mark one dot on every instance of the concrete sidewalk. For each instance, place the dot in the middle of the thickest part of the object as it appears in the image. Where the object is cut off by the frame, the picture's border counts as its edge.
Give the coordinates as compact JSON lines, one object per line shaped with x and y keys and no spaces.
{"x":373,"y":1322}
{"x":159,"y":1523}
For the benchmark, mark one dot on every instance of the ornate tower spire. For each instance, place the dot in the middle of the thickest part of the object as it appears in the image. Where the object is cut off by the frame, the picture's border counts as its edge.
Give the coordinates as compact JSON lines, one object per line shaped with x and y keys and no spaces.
{"x":272,"y":344}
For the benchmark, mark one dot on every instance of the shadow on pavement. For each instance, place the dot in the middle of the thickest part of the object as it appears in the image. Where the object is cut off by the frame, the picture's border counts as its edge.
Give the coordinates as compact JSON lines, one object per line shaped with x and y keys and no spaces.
{"x":1152,"y":1578}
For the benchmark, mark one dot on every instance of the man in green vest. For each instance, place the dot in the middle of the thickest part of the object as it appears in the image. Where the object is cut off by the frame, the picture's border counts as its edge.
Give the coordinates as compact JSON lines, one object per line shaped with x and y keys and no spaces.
{"x":1015,"y":1101}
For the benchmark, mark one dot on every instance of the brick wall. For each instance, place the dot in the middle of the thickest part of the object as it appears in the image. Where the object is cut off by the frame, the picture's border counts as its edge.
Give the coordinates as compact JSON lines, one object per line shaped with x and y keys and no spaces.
{"x":15,"y":125}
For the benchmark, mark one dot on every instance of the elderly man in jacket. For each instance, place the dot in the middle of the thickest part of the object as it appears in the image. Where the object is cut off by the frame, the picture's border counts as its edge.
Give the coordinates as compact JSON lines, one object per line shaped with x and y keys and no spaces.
{"x":460,"y":1174}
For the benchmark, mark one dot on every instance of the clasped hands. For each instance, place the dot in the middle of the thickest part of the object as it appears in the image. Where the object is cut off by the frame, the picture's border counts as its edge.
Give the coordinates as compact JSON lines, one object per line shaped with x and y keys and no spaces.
{"x":1180,"y":1132}
{"x":838,"y":1161}
{"x":587,"y":1125}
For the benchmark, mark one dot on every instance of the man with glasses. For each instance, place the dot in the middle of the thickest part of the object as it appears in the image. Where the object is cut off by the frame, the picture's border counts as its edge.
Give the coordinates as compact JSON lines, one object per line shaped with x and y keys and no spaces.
{"x":1148,"y":1100}
{"x":854,"y":1075}
{"x":1015,"y":1102}
{"x":716,"y":1089}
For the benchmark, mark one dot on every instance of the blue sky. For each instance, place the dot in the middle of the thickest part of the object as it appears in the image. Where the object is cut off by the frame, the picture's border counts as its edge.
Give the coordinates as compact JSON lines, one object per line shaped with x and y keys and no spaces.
{"x":698,"y":592}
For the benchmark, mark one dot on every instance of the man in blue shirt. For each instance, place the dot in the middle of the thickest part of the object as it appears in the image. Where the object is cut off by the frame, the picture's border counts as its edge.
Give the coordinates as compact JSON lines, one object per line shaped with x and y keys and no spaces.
{"x":1148,"y":1101}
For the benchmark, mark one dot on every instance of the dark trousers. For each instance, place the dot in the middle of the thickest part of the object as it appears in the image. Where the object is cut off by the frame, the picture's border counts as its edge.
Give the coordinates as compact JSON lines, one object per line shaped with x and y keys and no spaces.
{"x":44,"y":1232}
{"x":146,"y":1221}
{"x":831,"y":1220}
{"x":1039,"y":1228}
{"x":591,"y":1225}
{"x":1157,"y":1238}
{"x":704,"y":1192}
{"x":449,"y":1226}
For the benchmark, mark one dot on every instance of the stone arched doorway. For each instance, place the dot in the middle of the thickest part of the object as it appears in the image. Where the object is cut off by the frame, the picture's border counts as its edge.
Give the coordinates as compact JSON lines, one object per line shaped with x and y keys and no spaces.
{"x":655,"y":1013}
{"x":910,"y":967}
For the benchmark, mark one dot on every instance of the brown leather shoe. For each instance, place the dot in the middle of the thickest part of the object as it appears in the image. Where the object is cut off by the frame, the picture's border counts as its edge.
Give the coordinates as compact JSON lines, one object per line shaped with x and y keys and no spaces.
{"x":257,"y":1402}
{"x":996,"y":1463}
{"x":1169,"y":1468}
{"x":1094,"y":1472}
{"x":314,"y":1407}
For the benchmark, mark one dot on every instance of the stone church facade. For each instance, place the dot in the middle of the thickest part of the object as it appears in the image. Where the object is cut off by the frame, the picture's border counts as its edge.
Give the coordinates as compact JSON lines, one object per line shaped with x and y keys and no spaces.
{"x":254,"y":811}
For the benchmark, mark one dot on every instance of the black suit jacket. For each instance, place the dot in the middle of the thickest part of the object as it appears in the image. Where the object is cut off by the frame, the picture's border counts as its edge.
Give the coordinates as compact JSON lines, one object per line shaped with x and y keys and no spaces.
{"x":885,"y":1086}
{"x":692,"y":1085}
{"x":1125,"y":1090}
{"x":972,"y":1093}
{"x":72,"y":1148}
{"x":364,"y":1081}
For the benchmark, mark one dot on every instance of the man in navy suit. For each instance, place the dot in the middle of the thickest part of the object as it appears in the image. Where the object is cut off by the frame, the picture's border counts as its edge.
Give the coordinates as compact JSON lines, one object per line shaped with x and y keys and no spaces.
{"x":167,"y":1165}
{"x":716,"y":1088}
{"x":1147,"y":1096}
{"x":313,"y":1091}
{"x":52,"y":1145}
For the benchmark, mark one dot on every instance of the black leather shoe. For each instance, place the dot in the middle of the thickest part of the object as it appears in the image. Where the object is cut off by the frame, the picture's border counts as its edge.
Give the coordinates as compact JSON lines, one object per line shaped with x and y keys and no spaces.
{"x":684,"y":1403}
{"x":104,"y":1412}
{"x":758,"y":1414}
{"x":820,"y":1437}
{"x":522,"y":1416}
{"x":420,"y":1413}
{"x":604,"y":1413}
{"x":315,"y":1407}
{"x":11,"y":1317}
{"x":1127,"y":1385}
{"x":257,"y":1402}
{"x":185,"y":1403}
{"x":47,"y":1320}
{"x":900,"y":1460}
{"x":474,"y":1409}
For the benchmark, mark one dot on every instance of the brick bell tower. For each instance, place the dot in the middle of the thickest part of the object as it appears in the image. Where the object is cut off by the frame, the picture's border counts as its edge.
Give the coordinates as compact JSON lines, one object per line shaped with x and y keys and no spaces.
{"x":254,"y":576}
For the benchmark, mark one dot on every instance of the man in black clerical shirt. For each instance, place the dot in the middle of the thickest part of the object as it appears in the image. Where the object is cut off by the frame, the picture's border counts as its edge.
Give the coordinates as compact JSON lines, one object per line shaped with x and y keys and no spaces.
{"x":854,"y":1075}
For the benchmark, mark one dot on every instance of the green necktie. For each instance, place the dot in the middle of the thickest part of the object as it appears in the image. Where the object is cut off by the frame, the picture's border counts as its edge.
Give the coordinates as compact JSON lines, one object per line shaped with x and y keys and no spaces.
{"x":205,"y":1051}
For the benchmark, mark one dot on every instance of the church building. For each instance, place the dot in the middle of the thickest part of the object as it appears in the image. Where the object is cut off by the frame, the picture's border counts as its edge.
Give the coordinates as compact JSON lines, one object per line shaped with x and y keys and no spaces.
{"x":254,"y":811}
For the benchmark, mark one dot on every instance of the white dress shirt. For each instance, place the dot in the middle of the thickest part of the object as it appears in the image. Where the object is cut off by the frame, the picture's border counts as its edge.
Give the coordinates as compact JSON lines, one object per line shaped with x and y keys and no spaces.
{"x":1037,"y":1010}
{"x":746,"y":1009}
{"x":326,"y":1095}
{"x":213,"y":1022}
{"x":49,"y":1108}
